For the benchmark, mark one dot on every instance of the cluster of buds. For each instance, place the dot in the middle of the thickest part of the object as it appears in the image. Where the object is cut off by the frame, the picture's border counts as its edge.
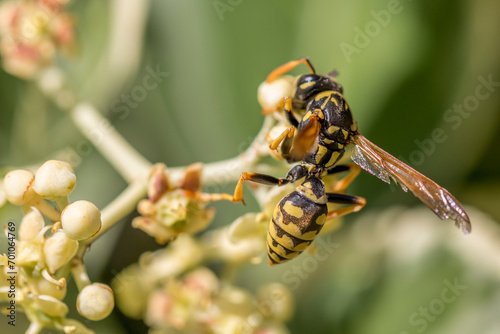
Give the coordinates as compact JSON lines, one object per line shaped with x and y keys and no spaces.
{"x":198,"y":302}
{"x":46,"y":251}
{"x":270,"y":96}
{"x":31,"y":31}
{"x":174,"y":209}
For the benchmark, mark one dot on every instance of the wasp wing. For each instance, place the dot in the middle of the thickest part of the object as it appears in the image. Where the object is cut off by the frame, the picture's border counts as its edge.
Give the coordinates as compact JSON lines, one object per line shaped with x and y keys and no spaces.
{"x":378,"y":162}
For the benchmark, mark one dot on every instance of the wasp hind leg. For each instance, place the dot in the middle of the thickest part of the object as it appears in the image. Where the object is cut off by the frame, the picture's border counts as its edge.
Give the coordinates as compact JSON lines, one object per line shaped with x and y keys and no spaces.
{"x":356,"y":204}
{"x":343,"y":183}
{"x":337,"y":196}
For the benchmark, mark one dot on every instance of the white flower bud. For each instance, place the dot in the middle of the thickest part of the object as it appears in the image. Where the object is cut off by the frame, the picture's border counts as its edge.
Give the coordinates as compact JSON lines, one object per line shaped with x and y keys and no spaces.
{"x":17,"y":185}
{"x":95,"y":301}
{"x":51,"y":306}
{"x":29,"y":253}
{"x":45,"y":287}
{"x":31,"y":224}
{"x":269,"y":94}
{"x":81,"y":220}
{"x":58,"y":249}
{"x":54,"y":179}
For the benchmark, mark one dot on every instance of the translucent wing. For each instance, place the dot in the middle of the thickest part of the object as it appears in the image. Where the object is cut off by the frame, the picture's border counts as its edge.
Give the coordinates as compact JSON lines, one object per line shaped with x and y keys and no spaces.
{"x":386,"y":167}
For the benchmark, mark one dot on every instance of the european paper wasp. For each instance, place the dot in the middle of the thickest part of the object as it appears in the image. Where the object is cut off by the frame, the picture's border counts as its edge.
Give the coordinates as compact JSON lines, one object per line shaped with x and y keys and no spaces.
{"x":317,"y":141}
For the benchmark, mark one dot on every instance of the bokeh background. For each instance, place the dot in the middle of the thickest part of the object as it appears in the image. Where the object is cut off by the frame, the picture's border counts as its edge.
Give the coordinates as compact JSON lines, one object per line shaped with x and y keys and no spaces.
{"x":410,"y":70}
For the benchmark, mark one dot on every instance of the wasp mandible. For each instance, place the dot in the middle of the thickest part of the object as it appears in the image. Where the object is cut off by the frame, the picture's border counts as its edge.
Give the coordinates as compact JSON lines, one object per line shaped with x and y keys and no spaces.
{"x":317,"y":141}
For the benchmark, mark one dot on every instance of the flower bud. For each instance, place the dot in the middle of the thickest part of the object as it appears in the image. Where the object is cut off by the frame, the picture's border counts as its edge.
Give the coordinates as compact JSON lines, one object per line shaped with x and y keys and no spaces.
{"x":31,"y":224}
{"x":54,"y":179}
{"x":58,"y":249}
{"x":17,"y":185}
{"x":81,"y":220}
{"x":44,"y":287}
{"x":95,"y":301}
{"x":51,"y":306}
{"x":269,"y":94}
{"x":29,"y":253}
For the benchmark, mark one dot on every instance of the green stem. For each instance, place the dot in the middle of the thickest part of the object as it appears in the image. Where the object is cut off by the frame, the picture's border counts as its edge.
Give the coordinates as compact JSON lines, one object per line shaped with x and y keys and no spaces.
{"x":119,"y":208}
{"x":79,"y":273}
{"x":119,"y":153}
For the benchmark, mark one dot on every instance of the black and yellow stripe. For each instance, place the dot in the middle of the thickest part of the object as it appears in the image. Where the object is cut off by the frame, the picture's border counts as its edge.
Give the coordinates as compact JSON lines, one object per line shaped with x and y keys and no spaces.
{"x":297,"y":220}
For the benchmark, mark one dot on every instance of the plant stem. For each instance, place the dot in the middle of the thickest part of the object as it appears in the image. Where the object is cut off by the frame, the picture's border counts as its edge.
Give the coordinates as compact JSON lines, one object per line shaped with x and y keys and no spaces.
{"x":79,"y":273}
{"x":119,"y":153}
{"x":119,"y":208}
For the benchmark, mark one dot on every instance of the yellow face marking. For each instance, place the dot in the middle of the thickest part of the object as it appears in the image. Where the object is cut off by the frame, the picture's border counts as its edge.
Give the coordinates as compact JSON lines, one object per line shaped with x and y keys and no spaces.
{"x":333,"y":159}
{"x":332,"y":129}
{"x":345,"y":133}
{"x":293,"y":210}
{"x":307,"y":84}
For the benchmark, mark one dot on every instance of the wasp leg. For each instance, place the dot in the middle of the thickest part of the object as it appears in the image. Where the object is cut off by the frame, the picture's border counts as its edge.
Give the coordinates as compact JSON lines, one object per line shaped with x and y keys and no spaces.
{"x":288,"y":67}
{"x":288,"y":133}
{"x":357,"y":203}
{"x":353,"y":170}
{"x":293,"y":175}
{"x":305,"y":139}
{"x":285,"y":104}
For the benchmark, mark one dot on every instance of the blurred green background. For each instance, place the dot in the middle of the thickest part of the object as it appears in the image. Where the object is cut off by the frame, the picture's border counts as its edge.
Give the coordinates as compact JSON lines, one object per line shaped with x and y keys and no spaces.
{"x":407,"y":68}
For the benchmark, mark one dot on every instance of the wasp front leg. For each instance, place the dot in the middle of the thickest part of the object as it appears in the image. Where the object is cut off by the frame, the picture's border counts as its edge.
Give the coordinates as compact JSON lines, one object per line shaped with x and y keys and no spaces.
{"x":293,"y":175}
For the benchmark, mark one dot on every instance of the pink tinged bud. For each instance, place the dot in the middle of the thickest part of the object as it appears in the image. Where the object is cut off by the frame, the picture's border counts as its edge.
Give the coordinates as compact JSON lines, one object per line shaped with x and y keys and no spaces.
{"x":95,"y":301}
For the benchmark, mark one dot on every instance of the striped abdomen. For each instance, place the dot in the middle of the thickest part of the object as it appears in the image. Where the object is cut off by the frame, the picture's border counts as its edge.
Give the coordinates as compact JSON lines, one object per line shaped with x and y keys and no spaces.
{"x":296,"y":221}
